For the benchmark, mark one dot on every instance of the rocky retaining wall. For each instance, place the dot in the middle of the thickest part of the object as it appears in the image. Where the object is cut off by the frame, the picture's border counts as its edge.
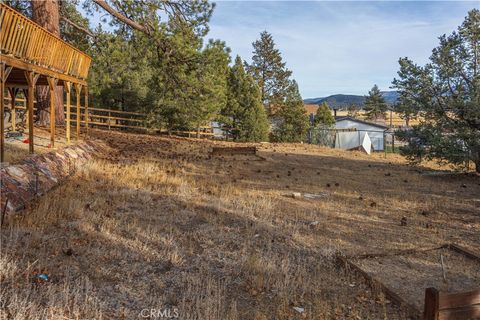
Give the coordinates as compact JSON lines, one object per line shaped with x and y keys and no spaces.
{"x":21,"y":183}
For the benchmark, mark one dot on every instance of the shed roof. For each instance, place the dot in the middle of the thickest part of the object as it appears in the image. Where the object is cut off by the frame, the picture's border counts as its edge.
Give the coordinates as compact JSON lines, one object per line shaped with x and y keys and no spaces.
{"x":338,"y":119}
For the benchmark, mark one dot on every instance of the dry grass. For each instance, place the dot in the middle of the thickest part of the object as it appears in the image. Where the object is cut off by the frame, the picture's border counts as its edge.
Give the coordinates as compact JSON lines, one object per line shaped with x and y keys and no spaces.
{"x":157,"y":224}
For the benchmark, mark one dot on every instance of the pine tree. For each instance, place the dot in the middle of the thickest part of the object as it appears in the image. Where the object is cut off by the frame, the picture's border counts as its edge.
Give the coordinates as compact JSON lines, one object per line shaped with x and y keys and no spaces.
{"x":409,"y":85}
{"x":375,"y":105}
{"x":446,"y":94}
{"x":294,"y":122}
{"x":324,"y":116}
{"x":188,"y":88}
{"x":244,"y":115}
{"x":268,"y":69}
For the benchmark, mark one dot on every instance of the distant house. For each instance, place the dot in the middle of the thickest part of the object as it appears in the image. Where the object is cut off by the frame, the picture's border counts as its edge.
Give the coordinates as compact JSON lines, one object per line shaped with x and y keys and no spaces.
{"x":311,"y":110}
{"x":351,"y":131}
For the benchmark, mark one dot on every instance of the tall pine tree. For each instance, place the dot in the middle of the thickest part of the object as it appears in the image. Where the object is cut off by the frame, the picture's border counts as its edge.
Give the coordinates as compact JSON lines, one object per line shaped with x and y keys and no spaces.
{"x":270,"y":72}
{"x":375,"y":105}
{"x":280,"y":94}
{"x":244,"y":115}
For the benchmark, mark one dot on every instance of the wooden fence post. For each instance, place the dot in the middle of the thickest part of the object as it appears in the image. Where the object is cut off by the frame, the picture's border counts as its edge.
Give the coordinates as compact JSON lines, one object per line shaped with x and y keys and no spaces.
{"x":431,"y":304}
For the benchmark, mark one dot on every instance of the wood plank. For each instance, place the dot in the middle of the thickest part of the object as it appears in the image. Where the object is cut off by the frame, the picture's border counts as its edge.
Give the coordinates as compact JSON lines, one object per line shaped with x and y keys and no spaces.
{"x":112,"y":125}
{"x":464,"y":251}
{"x":234,"y":150}
{"x":466,"y":313}
{"x":430,"y":311}
{"x":458,"y":300}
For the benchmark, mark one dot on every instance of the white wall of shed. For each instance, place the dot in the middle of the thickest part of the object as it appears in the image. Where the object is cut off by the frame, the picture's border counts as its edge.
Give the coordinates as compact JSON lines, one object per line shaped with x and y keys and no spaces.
{"x":375,"y":133}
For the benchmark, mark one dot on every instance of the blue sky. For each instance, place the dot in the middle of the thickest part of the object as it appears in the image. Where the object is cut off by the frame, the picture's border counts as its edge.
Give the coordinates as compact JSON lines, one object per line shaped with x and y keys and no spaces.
{"x":339,"y":46}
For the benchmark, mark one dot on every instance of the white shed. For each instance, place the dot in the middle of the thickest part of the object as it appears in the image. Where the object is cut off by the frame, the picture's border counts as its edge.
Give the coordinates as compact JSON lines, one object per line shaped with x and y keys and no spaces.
{"x":375,"y":131}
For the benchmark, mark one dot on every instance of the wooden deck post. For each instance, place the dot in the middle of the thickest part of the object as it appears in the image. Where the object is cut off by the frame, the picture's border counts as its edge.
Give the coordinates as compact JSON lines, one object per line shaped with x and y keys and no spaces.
{"x":13,"y":96}
{"x":31,"y":80}
{"x":431,"y":304}
{"x":25,"y":95}
{"x":52,"y":84}
{"x":86,"y":110}
{"x":68,"y":87}
{"x":4,"y":72}
{"x":78,"y":90}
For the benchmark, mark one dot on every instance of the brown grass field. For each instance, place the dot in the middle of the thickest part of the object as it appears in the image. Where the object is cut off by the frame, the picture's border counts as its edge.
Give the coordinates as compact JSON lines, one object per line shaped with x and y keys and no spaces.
{"x":155,"y":223}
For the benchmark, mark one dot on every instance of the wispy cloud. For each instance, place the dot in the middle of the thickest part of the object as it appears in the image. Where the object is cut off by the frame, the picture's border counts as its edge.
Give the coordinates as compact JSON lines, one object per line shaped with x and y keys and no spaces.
{"x":339,"y":47}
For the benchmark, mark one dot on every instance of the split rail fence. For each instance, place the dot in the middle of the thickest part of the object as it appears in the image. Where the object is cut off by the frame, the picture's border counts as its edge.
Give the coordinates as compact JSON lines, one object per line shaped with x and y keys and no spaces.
{"x":100,"y":118}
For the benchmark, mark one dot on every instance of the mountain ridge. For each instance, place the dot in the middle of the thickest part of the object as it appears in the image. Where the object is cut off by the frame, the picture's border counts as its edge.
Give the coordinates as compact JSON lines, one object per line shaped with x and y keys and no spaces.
{"x":340,"y":101}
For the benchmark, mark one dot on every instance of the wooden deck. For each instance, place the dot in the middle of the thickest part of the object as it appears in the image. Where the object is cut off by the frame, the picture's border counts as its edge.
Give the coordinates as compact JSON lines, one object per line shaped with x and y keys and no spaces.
{"x":31,"y":55}
{"x":27,"y":46}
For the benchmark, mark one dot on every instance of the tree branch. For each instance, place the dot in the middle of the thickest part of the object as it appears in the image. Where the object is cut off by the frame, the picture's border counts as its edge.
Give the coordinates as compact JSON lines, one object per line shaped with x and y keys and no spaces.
{"x":135,"y":25}
{"x":76,"y":26}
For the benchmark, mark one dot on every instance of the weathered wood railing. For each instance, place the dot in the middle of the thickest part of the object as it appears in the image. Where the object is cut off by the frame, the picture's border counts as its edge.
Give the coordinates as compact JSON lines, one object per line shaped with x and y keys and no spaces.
{"x":451,"y":306}
{"x":26,"y":41}
{"x":105,"y":119}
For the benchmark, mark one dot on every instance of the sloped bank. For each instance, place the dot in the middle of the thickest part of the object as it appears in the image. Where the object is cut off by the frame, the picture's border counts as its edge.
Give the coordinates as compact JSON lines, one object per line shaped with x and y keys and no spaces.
{"x":22,"y":182}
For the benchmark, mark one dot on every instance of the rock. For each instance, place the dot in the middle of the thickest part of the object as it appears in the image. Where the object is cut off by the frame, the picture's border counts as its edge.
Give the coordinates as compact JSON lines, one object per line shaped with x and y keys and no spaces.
{"x":299,"y":309}
{"x":296,"y":195}
{"x":315,"y":195}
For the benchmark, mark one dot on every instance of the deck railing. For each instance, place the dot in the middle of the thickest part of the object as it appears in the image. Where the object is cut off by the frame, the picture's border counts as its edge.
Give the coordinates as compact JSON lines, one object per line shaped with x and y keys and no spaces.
{"x":27,"y":41}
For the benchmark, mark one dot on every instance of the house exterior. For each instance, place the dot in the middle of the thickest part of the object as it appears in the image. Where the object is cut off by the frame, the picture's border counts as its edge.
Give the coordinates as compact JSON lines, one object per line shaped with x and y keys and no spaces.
{"x":351,"y":130}
{"x":311,"y":110}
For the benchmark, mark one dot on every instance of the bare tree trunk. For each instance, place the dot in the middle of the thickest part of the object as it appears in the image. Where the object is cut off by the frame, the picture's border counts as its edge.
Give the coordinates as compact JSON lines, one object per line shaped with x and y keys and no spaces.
{"x":46,"y":14}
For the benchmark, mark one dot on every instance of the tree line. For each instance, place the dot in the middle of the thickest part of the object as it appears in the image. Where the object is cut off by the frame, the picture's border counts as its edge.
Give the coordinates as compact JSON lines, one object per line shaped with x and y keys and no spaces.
{"x":157,"y":61}
{"x":155,"y":58}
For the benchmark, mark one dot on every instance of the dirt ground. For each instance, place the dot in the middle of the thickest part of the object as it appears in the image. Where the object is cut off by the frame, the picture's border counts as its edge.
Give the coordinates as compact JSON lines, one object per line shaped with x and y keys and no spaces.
{"x":17,"y":147}
{"x":157,"y":224}
{"x":406,"y":274}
